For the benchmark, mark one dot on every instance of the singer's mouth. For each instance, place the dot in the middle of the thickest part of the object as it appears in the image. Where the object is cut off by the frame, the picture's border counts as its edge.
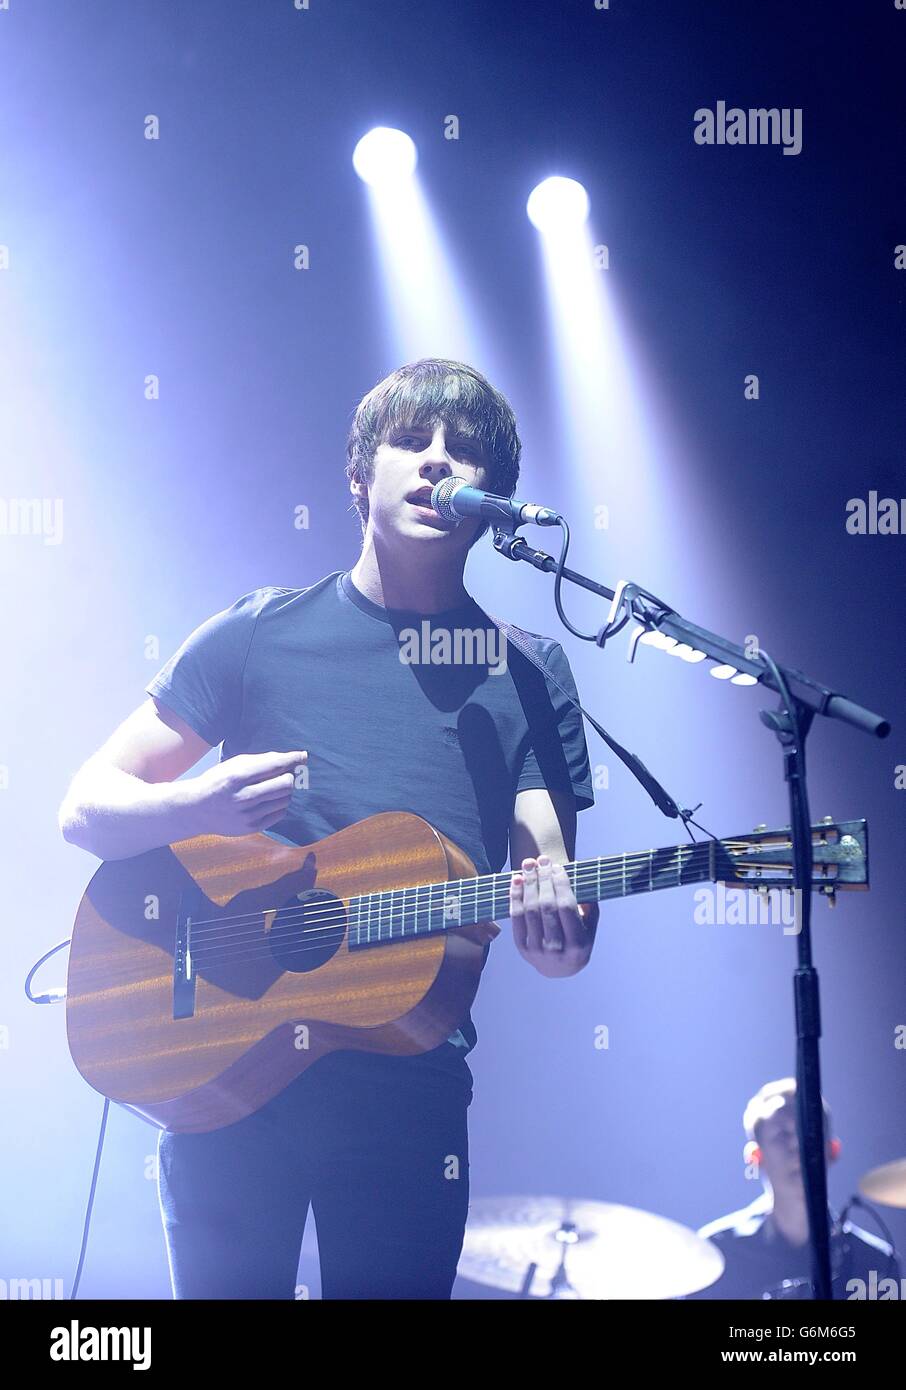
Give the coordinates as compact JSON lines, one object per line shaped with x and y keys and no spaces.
{"x":422,"y":498}
{"x":427,"y":516}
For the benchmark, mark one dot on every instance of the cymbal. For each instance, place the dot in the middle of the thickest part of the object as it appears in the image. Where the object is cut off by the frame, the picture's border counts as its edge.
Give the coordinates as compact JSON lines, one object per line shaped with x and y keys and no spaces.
{"x":584,"y":1249}
{"x":886,"y":1184}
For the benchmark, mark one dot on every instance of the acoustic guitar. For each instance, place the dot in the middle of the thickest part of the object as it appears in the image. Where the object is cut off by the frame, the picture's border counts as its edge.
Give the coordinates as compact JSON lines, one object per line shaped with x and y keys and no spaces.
{"x":206,"y":975}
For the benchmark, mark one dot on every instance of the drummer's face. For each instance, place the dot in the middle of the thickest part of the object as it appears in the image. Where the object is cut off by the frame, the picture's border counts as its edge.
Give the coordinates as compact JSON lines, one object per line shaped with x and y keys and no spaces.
{"x":779,"y":1144}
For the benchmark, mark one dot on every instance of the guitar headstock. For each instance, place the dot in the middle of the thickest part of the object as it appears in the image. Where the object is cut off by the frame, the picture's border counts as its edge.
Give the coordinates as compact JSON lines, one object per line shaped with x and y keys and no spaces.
{"x":764,"y":858}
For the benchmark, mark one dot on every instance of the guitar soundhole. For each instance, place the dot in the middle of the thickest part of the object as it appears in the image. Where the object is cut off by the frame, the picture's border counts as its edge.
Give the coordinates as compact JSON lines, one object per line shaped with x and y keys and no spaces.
{"x":307,"y":931}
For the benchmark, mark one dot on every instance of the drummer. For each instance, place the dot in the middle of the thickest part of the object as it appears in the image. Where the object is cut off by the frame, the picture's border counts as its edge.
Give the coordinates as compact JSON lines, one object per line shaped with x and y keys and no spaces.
{"x":765,"y":1245}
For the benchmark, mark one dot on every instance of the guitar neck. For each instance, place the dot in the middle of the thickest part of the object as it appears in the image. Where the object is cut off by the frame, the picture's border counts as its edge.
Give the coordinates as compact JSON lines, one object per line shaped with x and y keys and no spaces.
{"x":429,"y":908}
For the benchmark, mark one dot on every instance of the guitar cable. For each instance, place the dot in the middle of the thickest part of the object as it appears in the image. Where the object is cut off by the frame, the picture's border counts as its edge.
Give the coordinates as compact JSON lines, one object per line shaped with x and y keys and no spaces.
{"x":53,"y":996}
{"x":56,"y":996}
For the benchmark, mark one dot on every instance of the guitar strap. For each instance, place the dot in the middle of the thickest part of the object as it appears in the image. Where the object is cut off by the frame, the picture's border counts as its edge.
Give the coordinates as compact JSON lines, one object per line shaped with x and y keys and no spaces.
{"x":661,"y":798}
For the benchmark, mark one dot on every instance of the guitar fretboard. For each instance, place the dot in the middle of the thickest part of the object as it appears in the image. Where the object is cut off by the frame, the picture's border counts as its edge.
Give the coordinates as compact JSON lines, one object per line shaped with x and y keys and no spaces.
{"x":426,"y":909}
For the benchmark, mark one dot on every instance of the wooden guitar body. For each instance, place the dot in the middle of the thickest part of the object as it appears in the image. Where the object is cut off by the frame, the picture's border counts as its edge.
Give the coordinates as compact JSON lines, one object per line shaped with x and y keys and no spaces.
{"x":205,"y":976}
{"x":253,"y":1017}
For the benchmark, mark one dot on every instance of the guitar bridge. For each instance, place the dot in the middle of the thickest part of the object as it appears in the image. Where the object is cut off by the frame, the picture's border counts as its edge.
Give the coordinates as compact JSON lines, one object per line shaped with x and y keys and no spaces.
{"x":183,"y":974}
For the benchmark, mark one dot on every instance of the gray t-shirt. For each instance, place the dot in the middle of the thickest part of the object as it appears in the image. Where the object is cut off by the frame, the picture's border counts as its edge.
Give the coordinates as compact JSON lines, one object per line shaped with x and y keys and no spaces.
{"x":320,"y":669}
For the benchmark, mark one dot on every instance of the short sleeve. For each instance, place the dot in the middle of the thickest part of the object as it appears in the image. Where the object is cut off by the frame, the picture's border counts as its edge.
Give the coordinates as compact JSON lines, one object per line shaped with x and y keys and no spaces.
{"x":557,"y":755}
{"x":202,"y":681}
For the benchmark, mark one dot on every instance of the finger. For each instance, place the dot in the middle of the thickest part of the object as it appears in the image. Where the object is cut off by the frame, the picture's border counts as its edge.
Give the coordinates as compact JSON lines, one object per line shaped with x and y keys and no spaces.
{"x":267,"y":765}
{"x":534,"y":932}
{"x":517,"y":909}
{"x":575,"y":932}
{"x":274,"y":806}
{"x":263,"y":822}
{"x":258,"y":792}
{"x":552,"y":932}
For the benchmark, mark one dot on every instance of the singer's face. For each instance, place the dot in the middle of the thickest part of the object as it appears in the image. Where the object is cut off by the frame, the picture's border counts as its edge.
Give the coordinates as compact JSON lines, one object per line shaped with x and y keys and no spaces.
{"x":409,"y":462}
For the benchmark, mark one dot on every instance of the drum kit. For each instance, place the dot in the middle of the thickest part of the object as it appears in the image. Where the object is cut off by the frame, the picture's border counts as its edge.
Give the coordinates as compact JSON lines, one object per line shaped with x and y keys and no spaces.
{"x":886,"y":1185}
{"x":559,"y":1247}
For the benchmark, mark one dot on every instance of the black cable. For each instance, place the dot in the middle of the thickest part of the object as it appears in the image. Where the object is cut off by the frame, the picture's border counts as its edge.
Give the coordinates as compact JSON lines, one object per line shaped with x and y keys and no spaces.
{"x":56,"y":996}
{"x":856,"y":1201}
{"x":94,"y":1183}
{"x":790,"y":709}
{"x":558,"y":580}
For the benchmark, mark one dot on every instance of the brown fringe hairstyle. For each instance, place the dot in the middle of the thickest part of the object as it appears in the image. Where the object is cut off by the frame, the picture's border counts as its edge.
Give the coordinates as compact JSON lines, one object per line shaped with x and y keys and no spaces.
{"x":426,"y":392}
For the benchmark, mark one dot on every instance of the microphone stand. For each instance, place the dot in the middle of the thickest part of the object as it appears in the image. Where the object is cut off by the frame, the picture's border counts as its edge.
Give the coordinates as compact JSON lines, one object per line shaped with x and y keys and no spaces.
{"x":800,"y":700}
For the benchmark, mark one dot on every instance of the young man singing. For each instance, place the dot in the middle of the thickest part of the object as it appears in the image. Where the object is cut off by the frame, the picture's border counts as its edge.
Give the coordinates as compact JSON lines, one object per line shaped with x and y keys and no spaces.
{"x":493,"y":756}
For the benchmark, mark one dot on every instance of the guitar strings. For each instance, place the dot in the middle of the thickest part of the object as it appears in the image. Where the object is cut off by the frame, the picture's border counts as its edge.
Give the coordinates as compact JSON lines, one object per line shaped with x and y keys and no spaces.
{"x":210,"y":959}
{"x":338,"y":912}
{"x":587,"y":874}
{"x":337,"y":926}
{"x":334,"y":934}
{"x":612,"y":867}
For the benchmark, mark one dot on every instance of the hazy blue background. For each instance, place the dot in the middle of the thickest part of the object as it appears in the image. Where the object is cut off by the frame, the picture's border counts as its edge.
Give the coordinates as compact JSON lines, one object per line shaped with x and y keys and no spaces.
{"x":174,"y":257}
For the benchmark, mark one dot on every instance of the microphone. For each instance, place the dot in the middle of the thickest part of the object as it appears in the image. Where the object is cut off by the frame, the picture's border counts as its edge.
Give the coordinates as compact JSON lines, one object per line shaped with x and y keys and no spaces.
{"x":454,"y":500}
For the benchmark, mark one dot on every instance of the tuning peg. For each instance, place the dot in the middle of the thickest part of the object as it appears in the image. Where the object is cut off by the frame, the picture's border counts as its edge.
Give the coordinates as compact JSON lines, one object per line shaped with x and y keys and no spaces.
{"x":758,"y":828}
{"x":827,"y":820}
{"x":830,"y":893}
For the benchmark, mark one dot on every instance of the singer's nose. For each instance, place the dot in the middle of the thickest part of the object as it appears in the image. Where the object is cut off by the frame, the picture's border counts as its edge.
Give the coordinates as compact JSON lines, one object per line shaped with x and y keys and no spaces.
{"x":435,"y":470}
{"x":434,"y":473}
{"x":436,"y":459}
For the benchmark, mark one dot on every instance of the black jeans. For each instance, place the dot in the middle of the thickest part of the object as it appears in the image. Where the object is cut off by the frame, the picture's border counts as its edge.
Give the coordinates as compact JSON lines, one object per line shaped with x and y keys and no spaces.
{"x":377,"y":1145}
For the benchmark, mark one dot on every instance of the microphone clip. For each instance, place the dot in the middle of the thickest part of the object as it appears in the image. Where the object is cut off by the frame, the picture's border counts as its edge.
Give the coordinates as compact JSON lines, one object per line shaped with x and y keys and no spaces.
{"x":632,"y":601}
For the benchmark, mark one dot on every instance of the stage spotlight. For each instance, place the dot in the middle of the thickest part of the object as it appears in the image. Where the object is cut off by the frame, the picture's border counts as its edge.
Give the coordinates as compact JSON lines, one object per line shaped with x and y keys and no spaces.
{"x":556,"y":204}
{"x":384,"y":156}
